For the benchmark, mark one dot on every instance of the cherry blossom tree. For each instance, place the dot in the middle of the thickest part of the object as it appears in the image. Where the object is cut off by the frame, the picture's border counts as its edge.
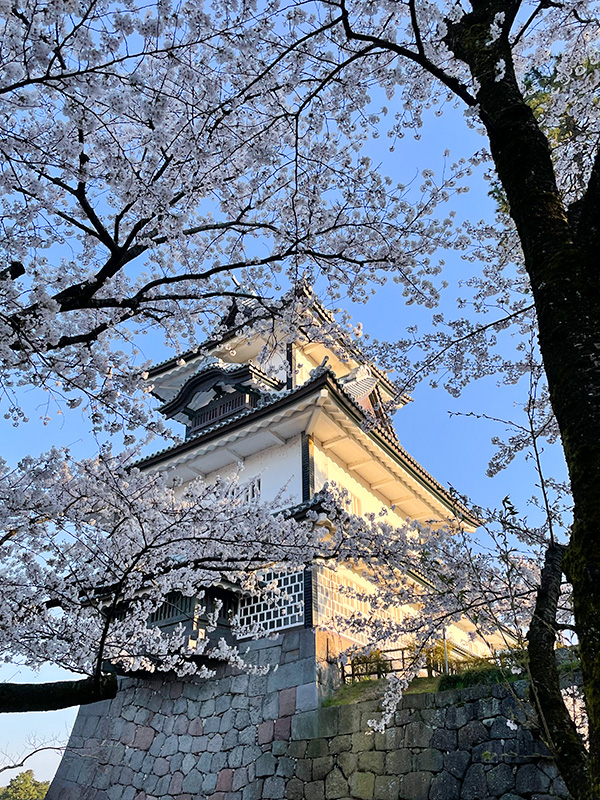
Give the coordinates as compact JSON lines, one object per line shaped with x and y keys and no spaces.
{"x":149,"y":154}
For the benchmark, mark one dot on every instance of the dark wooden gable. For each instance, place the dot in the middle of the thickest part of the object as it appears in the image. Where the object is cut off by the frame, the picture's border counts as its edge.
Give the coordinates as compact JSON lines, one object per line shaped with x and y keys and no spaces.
{"x":217,"y":393}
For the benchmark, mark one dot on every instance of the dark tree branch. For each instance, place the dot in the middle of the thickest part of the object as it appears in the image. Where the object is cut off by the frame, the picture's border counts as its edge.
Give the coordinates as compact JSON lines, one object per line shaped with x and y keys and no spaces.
{"x":448,"y":80}
{"x":17,"y":697}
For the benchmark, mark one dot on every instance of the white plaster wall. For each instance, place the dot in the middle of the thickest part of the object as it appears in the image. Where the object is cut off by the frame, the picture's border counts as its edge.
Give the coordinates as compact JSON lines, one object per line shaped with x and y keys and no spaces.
{"x":279,"y":467}
{"x":328,"y":469}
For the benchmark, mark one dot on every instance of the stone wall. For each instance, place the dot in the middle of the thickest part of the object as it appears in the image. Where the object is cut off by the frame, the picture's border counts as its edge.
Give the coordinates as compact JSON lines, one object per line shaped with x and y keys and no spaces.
{"x":472,"y":744}
{"x":167,"y":738}
{"x":247,"y":737}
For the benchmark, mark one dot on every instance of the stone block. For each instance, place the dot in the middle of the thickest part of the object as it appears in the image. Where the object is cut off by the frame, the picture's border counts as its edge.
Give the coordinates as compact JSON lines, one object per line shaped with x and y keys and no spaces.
{"x":362,"y":785}
{"x":239,"y":779}
{"x":193,"y":708}
{"x":444,"y":787}
{"x":227,"y":720}
{"x":219,"y":762}
{"x":287,"y":702}
{"x":513,"y":708}
{"x":199,"y":744}
{"x":269,"y":656}
{"x":209,"y":783}
{"x":161,"y":766}
{"x":181,"y":725}
{"x":250,"y":754}
{"x":288,"y":675}
{"x":471,"y":734}
{"x":265,"y":765}
{"x":530,"y":778}
{"x":317,"y":748}
{"x":192,"y":782}
{"x":336,"y":786}
{"x":321,"y":767}
{"x":362,"y":741}
{"x":399,"y":762}
{"x":500,"y":779}
{"x":304,"y":769}
{"x":215,"y":744}
{"x":274,"y":788}
{"x":270,"y":706}
{"x":157,"y":744}
{"x":372,"y":761}
{"x":264,"y":733}
{"x":235,"y":756}
{"x":239,"y":684}
{"x":307,"y":697}
{"x":488,"y":707}
{"x":293,"y":655}
{"x":176,"y":762}
{"x":417,"y":734}
{"x":282,"y":729}
{"x":327,"y":721}
{"x":179,"y":707}
{"x":285,"y":767}
{"x":457,"y":716}
{"x":169,"y":747}
{"x":176,"y":783}
{"x":257,"y":685}
{"x":204,"y":762}
{"x":315,"y":790}
{"x":444,"y":739}
{"x":224,"y":780}
{"x":456,"y":762}
{"x":248,"y":735}
{"x":387,"y":787}
{"x":253,"y":791}
{"x":242,"y":719}
{"x":295,"y":790}
{"x":297,"y":749}
{"x":340,"y":744}
{"x":474,"y":785}
{"x":291,"y":641}
{"x":212,"y":724}
{"x":348,"y":763}
{"x":490,"y":752}
{"x":348,"y":719}
{"x":196,"y":727}
{"x":418,"y":701}
{"x":415,"y":786}
{"x":231,"y":739}
{"x":304,"y":726}
{"x":429,"y":760}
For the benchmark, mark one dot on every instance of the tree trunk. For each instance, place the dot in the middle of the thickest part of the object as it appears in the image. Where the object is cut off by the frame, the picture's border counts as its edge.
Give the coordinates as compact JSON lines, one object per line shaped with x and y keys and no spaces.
{"x":562,"y":262}
{"x":52,"y":696}
{"x":557,"y":727}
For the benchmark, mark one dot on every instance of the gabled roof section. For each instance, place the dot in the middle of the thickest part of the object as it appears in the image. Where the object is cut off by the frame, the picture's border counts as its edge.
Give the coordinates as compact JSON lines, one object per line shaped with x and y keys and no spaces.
{"x":183,"y":365}
{"x":381,"y":437}
{"x":216,"y":373}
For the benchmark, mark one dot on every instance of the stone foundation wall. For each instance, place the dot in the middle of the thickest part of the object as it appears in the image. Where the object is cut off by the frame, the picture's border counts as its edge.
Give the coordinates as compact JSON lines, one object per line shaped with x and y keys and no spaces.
{"x":247,"y":737}
{"x":471,"y":744}
{"x":168,"y":738}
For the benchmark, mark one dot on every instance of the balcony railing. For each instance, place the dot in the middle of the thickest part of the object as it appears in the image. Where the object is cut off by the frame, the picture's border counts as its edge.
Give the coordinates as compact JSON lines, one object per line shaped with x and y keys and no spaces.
{"x":232,"y":404}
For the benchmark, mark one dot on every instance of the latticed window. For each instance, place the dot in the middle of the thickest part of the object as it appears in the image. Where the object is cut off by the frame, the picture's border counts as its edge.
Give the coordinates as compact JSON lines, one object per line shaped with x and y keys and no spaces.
{"x":284,"y":610}
{"x":343,"y":595}
{"x":176,"y":607}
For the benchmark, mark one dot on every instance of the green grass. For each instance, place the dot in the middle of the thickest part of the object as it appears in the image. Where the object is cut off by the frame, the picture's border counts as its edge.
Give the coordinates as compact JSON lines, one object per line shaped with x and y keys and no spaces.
{"x":356,"y":693}
{"x":373,"y":689}
{"x":423,"y":685}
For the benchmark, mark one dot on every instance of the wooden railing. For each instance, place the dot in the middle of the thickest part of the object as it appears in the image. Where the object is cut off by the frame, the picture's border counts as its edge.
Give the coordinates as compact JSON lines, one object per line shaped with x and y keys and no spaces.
{"x":224,"y":408}
{"x":396,"y":659}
